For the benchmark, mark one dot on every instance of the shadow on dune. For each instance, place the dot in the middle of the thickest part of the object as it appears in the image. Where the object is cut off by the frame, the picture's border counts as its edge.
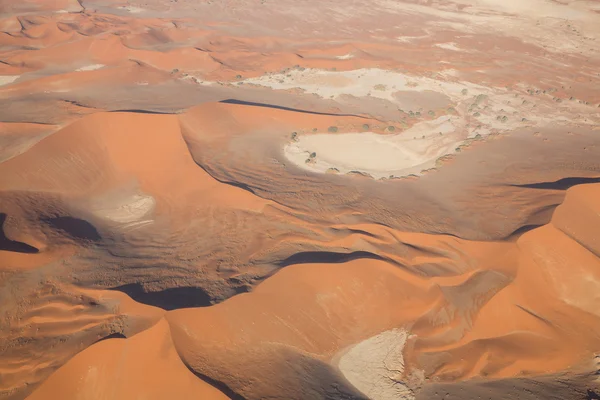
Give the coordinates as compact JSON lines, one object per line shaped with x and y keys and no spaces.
{"x":115,"y":335}
{"x":561,"y":184}
{"x":265,"y":105}
{"x":328,"y":257}
{"x":216,"y":384}
{"x":167,"y":299}
{"x":74,"y":227}
{"x":13,"y":245}
{"x":141,"y":111}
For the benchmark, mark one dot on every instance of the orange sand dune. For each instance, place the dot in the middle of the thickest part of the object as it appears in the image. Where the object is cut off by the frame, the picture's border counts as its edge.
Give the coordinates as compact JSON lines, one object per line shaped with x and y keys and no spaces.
{"x":302,"y":200}
{"x":144,"y":366}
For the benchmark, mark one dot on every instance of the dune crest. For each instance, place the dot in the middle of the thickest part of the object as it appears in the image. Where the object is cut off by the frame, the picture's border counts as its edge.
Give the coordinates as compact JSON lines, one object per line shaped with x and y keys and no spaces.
{"x":302,"y":200}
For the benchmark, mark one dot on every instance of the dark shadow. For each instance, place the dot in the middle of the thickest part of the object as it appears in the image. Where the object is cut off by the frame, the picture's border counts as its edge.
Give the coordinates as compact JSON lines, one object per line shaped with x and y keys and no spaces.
{"x":13,"y":245}
{"x":561,"y":184}
{"x":592,"y":395}
{"x":139,"y":111}
{"x":115,"y":335}
{"x":217,"y":384}
{"x":253,"y":104}
{"x":74,"y":227}
{"x":167,"y":299}
{"x":525,"y":228}
{"x":238,"y":185}
{"x":329,"y":257}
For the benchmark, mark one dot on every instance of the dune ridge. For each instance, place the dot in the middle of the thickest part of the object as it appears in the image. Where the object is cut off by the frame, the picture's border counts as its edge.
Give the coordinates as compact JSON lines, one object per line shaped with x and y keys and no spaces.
{"x":325,"y":200}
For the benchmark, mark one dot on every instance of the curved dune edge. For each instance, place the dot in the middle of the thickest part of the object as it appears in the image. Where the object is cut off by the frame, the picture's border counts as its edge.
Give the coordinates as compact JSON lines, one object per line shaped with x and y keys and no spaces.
{"x":190,"y":254}
{"x":376,"y":155}
{"x":375,"y":366}
{"x":473,"y":307}
{"x":144,"y":366}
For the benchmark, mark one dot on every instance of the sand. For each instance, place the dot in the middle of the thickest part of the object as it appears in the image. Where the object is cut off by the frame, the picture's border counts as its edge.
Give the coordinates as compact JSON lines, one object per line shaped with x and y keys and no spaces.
{"x":166,"y":231}
{"x":377,"y":155}
{"x":375,"y":366}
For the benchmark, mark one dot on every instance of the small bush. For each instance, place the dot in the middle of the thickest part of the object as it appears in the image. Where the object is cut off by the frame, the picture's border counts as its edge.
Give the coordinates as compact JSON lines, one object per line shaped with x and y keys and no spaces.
{"x":477,"y":114}
{"x":238,"y":77}
{"x":315,"y":129}
{"x":431,"y":113}
{"x":313,"y":155}
{"x":332,"y":129}
{"x":391,"y":128}
{"x":294,"y":135}
{"x":365,"y":126}
{"x":464,"y":92}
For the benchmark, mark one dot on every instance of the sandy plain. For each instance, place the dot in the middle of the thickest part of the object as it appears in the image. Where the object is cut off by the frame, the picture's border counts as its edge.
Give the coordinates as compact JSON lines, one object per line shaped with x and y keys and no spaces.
{"x":325,"y":200}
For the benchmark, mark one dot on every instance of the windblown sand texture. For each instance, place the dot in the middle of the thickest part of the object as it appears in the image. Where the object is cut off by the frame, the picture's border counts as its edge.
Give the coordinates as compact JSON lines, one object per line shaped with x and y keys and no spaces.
{"x":260,"y":199}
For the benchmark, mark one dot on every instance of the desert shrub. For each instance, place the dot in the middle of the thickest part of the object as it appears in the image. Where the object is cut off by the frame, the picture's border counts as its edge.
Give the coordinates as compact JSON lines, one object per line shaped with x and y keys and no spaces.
{"x":238,"y":77}
{"x":418,"y":113}
{"x":464,"y":92}
{"x":477,"y":114}
{"x":391,"y":128}
{"x":480,"y":98}
{"x":431,"y":113}
{"x":332,"y":129}
{"x":365,"y":126}
{"x":294,"y":135}
{"x":313,"y":155}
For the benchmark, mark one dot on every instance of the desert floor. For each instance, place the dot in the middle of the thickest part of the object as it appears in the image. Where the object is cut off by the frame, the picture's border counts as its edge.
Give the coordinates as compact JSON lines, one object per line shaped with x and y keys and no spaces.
{"x":260,"y":199}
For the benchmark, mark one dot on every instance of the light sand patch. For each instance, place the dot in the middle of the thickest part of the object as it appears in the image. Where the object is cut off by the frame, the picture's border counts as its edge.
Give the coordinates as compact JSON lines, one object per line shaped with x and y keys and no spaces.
{"x":345,"y":56}
{"x":375,"y":366}
{"x":8,"y":79}
{"x":412,"y":100}
{"x":92,"y":67}
{"x":132,"y":9}
{"x":449,"y":46}
{"x":379,"y":156}
{"x":126,"y":208}
{"x":360,"y":82}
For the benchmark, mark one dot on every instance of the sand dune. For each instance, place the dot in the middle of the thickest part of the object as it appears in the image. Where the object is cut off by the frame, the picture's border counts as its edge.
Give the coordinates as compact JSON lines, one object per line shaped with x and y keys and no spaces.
{"x":334,"y":200}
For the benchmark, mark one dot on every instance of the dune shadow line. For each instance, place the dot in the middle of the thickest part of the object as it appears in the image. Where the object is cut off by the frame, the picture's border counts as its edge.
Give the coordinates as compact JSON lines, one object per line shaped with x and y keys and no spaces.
{"x":74,"y":227}
{"x":561,"y":184}
{"x":13,"y":245}
{"x":329,"y":257}
{"x":167,"y":299}
{"x":265,"y":105}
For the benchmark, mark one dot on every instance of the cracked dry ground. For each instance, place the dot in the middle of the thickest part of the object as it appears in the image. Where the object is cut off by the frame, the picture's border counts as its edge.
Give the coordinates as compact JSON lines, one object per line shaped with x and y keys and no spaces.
{"x":156,"y":242}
